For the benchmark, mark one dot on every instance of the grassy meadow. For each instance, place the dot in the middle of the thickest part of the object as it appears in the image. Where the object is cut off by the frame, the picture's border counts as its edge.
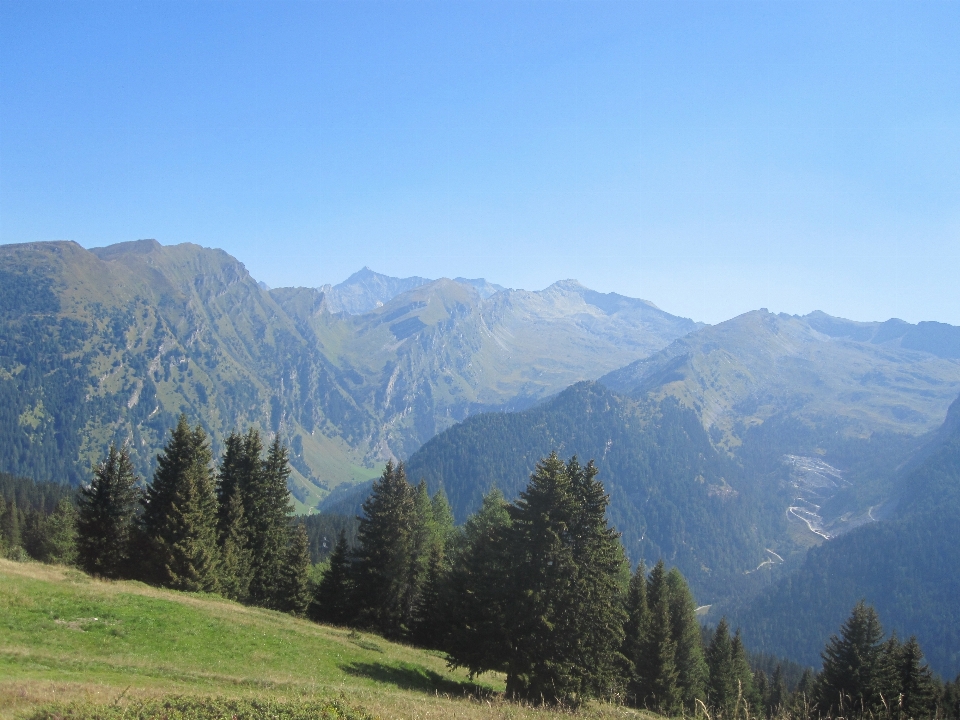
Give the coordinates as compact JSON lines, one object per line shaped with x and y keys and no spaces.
{"x":68,"y":638}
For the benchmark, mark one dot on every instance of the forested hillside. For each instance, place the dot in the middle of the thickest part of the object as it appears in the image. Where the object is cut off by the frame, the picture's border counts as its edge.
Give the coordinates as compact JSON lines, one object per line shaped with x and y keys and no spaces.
{"x":673,"y":495}
{"x":908,"y":566}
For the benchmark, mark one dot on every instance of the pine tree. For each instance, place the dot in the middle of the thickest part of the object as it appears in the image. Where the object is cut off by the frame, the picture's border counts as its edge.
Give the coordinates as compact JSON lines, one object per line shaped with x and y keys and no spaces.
{"x":382,"y":574}
{"x":722,"y":689}
{"x":180,"y":514}
{"x":565,"y":616}
{"x":748,"y":701}
{"x":55,"y":539}
{"x":692,"y":672}
{"x":423,"y":539}
{"x":295,"y":577}
{"x":267,"y":512}
{"x":430,"y":623}
{"x":852,"y":666}
{"x":778,"y":696}
{"x":10,"y":525}
{"x":477,"y":637}
{"x":443,"y":522}
{"x":239,"y":471}
{"x":915,"y":691}
{"x":657,"y":676}
{"x":333,"y":597}
{"x":634,"y":630}
{"x":105,"y":516}
{"x":3,"y":533}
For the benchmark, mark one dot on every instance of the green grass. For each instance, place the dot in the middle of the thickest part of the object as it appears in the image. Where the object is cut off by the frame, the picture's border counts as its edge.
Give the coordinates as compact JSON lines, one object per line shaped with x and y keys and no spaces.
{"x":90,"y":645}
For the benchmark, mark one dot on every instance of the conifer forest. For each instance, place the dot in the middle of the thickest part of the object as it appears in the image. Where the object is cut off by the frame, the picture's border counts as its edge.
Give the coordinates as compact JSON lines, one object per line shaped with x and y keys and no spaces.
{"x":539,"y":589}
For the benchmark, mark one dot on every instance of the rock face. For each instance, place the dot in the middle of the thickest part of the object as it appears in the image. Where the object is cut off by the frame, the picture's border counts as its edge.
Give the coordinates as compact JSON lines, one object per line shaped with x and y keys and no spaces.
{"x":112,"y":343}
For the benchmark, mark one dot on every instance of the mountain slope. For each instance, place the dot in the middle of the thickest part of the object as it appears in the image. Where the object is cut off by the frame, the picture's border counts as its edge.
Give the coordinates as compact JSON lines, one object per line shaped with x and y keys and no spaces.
{"x":113,"y":343}
{"x":445,"y":350}
{"x":672,"y":494}
{"x":771,"y":386}
{"x":907,"y":566}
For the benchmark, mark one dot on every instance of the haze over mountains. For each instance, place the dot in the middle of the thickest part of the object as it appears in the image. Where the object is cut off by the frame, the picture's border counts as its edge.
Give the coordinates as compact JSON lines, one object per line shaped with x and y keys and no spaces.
{"x":729,"y":450}
{"x":114,"y":342}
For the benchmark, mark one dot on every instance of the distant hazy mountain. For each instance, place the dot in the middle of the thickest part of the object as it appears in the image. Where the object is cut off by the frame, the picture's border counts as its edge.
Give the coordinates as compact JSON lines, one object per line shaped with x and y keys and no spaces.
{"x":365,"y":290}
{"x":434,"y":355}
{"x":112,"y":343}
{"x":767,"y":386}
{"x":907,"y":566}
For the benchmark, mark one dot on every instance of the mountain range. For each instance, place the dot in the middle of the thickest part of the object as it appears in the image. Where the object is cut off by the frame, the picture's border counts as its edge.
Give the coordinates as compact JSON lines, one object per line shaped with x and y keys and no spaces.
{"x":112,"y":343}
{"x":766,"y":456}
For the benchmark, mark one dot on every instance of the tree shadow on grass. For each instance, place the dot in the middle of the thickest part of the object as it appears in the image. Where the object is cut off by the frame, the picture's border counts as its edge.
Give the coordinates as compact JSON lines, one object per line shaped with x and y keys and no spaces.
{"x":413,"y":677}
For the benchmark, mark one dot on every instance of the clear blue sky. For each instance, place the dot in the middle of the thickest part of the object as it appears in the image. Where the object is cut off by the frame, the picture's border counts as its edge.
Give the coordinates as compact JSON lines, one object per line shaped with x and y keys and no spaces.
{"x":712,"y":157}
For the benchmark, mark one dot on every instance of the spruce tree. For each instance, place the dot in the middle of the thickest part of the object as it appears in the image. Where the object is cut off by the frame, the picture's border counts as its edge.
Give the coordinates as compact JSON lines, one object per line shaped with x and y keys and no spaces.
{"x":431,"y":620}
{"x":267,"y":511}
{"x":382,"y":574}
{"x":692,"y":672}
{"x":565,"y":616}
{"x":294,"y":595}
{"x":180,"y":514}
{"x":238,"y":472}
{"x":333,"y":599}
{"x":657,"y":675}
{"x":852,"y":666}
{"x":443,"y":522}
{"x":10,"y":525}
{"x":3,"y":533}
{"x":914,"y":694}
{"x":778,"y":696}
{"x":56,"y":541}
{"x":106,"y":511}
{"x":722,"y":690}
{"x":477,"y":637}
{"x":748,"y":701}
{"x":634,"y":630}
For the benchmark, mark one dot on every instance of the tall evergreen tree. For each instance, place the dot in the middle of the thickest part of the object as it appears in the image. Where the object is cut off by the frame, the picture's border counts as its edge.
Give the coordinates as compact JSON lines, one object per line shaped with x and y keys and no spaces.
{"x":477,"y":637}
{"x":294,"y":595}
{"x":10,"y":525}
{"x":382,"y":574}
{"x":267,"y":512}
{"x":431,"y":620}
{"x":914,"y":694}
{"x":180,"y":513}
{"x":3,"y":533}
{"x":55,"y":536}
{"x":443,"y":522}
{"x":106,"y":510}
{"x":692,"y":672}
{"x":722,"y":690}
{"x":565,"y":616}
{"x":852,"y":666}
{"x":239,"y":471}
{"x":748,"y":700}
{"x":656,"y":670}
{"x":777,"y":696}
{"x":633,"y":631}
{"x":333,"y":599}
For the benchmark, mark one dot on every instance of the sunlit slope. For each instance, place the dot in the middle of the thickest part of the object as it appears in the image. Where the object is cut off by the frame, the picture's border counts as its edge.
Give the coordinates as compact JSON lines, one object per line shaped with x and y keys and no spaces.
{"x":64,"y":636}
{"x":447,"y":349}
{"x":113,"y":344}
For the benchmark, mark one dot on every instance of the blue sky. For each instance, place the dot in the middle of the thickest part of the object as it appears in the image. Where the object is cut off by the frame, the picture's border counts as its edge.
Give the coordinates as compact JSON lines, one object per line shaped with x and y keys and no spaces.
{"x":712,"y":157}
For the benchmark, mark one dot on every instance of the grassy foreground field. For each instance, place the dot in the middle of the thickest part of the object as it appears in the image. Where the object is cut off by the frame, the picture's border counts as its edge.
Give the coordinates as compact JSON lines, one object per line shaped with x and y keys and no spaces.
{"x":65,"y":637}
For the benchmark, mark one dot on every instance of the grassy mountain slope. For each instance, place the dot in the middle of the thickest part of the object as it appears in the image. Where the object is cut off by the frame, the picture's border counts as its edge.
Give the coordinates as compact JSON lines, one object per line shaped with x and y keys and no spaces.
{"x":907,"y":566}
{"x":66,"y":636}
